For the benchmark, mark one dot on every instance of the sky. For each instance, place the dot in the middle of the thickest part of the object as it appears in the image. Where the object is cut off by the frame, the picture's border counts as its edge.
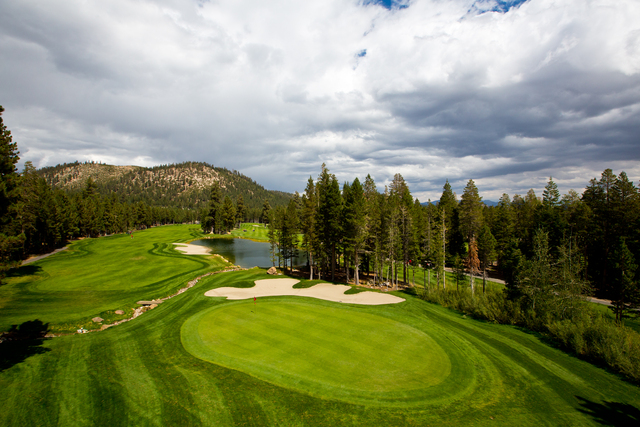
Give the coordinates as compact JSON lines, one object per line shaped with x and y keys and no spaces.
{"x":507,"y":93}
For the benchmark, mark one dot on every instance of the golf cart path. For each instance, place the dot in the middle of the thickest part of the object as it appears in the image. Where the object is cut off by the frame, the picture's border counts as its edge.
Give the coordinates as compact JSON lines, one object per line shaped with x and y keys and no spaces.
{"x":39,"y":257}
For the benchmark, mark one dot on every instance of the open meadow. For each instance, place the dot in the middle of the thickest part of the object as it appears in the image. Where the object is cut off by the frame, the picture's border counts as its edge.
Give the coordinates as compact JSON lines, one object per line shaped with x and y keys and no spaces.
{"x":279,"y":360}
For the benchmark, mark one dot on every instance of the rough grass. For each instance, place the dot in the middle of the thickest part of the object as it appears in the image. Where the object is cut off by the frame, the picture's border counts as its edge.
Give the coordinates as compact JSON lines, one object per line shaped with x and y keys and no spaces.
{"x":96,"y":277}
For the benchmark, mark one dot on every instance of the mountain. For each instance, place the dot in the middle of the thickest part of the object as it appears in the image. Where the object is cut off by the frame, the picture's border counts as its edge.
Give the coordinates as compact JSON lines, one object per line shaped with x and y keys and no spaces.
{"x":184,"y":185}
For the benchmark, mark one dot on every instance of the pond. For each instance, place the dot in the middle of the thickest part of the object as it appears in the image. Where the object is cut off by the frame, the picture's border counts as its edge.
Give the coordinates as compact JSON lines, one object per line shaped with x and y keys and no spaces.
{"x":246,"y":253}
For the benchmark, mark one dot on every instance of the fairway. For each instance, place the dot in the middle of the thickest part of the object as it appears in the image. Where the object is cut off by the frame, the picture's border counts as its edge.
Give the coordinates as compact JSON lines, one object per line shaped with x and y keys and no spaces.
{"x":96,"y":277}
{"x":293,"y":343}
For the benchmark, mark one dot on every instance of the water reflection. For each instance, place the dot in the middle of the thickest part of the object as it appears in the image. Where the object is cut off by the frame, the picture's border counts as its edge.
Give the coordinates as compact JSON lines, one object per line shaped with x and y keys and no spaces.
{"x":246,"y":253}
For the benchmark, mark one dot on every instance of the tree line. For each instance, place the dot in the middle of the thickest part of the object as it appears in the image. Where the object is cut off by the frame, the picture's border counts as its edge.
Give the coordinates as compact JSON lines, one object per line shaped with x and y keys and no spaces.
{"x":550,"y":250}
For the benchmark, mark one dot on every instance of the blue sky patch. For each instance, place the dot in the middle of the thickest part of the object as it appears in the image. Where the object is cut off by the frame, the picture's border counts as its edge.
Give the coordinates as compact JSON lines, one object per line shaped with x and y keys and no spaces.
{"x":500,"y":6}
{"x":362,"y":53}
{"x":388,"y":4}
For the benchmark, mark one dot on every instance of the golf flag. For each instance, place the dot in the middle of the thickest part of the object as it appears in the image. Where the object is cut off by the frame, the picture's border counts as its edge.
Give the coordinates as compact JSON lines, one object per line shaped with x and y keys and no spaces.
{"x":254,"y":300}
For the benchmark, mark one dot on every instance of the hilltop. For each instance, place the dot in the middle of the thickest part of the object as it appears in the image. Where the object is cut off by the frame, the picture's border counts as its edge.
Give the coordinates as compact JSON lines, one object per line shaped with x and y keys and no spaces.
{"x":183,"y":185}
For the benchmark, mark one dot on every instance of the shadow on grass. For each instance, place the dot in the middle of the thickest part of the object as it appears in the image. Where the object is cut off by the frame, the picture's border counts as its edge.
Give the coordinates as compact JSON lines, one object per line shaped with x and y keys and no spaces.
{"x":25,"y":270}
{"x":610,"y":413}
{"x":21,"y":342}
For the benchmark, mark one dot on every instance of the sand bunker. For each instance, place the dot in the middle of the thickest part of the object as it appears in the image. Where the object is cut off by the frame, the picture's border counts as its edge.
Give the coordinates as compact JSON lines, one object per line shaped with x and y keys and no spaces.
{"x":189,"y":249}
{"x":325,"y":291}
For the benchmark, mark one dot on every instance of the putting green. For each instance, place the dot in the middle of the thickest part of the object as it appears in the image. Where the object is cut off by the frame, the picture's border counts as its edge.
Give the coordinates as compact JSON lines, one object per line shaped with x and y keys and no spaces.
{"x":330,"y":349}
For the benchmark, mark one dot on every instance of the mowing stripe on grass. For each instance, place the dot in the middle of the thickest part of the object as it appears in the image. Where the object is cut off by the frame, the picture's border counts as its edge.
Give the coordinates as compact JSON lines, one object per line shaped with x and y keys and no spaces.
{"x":303,"y":344}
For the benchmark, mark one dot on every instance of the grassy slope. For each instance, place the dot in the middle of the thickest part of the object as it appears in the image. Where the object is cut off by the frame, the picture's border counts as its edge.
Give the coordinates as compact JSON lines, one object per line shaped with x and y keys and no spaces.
{"x":95,"y":277}
{"x":139,"y":373}
{"x":257,"y":232}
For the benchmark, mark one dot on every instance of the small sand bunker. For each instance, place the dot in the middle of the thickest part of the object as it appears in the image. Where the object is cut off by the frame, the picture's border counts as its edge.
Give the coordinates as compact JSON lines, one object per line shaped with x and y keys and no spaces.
{"x":325,"y":291}
{"x":189,"y":249}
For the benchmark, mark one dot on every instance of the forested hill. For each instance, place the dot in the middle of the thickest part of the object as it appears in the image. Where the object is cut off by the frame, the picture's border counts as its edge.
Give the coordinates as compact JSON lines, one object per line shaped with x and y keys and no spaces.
{"x":184,"y":185}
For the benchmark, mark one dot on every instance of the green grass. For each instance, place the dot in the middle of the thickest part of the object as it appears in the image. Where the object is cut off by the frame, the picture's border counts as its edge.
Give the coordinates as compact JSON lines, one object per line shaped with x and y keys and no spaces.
{"x":299,"y":344}
{"x":96,"y":277}
{"x":255,"y":231}
{"x":412,"y":363}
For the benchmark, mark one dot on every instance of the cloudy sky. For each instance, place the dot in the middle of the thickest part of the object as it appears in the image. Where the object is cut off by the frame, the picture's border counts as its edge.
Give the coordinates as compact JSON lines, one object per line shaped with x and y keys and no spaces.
{"x":504,"y":92}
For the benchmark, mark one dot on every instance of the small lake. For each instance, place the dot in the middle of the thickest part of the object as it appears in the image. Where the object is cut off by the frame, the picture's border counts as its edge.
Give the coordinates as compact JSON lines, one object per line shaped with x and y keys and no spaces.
{"x":246,"y":253}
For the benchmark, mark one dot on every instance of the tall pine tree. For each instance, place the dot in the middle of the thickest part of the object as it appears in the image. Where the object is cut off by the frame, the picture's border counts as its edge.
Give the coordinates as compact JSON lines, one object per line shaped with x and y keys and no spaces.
{"x":10,"y":241}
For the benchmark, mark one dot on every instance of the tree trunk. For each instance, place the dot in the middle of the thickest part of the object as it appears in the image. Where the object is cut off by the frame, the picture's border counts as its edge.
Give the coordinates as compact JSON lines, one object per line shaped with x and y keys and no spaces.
{"x":396,"y":276}
{"x":346,"y":266}
{"x":356,"y":267}
{"x":484,"y":278}
{"x":404,"y":270}
{"x":333,"y":262}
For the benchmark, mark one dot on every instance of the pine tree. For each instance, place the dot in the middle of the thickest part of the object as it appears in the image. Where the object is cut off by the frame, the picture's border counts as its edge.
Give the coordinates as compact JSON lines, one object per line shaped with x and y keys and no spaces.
{"x":470,"y":211}
{"x":212,"y":221}
{"x":470,"y":222}
{"x":308,"y":224}
{"x":355,"y":223}
{"x":549,"y":215}
{"x":448,"y":205}
{"x":551,"y":195}
{"x":240,"y":210}
{"x":228,"y":214}
{"x":372,"y":245}
{"x":403,"y":203}
{"x":329,"y":208}
{"x":486,"y":251}
{"x":10,"y":241}
{"x":503,"y":227}
{"x":266,"y":208}
{"x":626,"y":289}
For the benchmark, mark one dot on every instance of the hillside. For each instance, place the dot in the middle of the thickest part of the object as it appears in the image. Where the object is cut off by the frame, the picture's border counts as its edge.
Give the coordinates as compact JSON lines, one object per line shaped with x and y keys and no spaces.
{"x":184,"y":185}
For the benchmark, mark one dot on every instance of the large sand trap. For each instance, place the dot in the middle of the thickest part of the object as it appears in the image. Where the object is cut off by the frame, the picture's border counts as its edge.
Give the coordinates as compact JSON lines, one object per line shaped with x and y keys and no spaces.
{"x":325,"y":291}
{"x":189,"y":249}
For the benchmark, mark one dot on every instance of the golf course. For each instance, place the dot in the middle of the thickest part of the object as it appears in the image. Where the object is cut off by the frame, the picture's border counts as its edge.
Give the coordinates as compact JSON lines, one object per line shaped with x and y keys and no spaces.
{"x":273,"y":360}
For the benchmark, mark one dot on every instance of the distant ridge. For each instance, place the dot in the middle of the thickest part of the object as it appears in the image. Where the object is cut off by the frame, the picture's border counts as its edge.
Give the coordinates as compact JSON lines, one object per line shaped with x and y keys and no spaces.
{"x":182,"y":185}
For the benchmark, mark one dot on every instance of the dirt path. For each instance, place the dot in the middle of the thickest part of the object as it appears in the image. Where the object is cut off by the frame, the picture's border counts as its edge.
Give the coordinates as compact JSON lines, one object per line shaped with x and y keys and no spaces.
{"x":39,"y":257}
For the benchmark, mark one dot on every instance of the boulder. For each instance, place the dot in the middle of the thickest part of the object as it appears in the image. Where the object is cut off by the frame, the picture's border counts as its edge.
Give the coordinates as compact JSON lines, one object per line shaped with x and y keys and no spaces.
{"x":272,"y":270}
{"x":119,"y":312}
{"x":97,"y":319}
